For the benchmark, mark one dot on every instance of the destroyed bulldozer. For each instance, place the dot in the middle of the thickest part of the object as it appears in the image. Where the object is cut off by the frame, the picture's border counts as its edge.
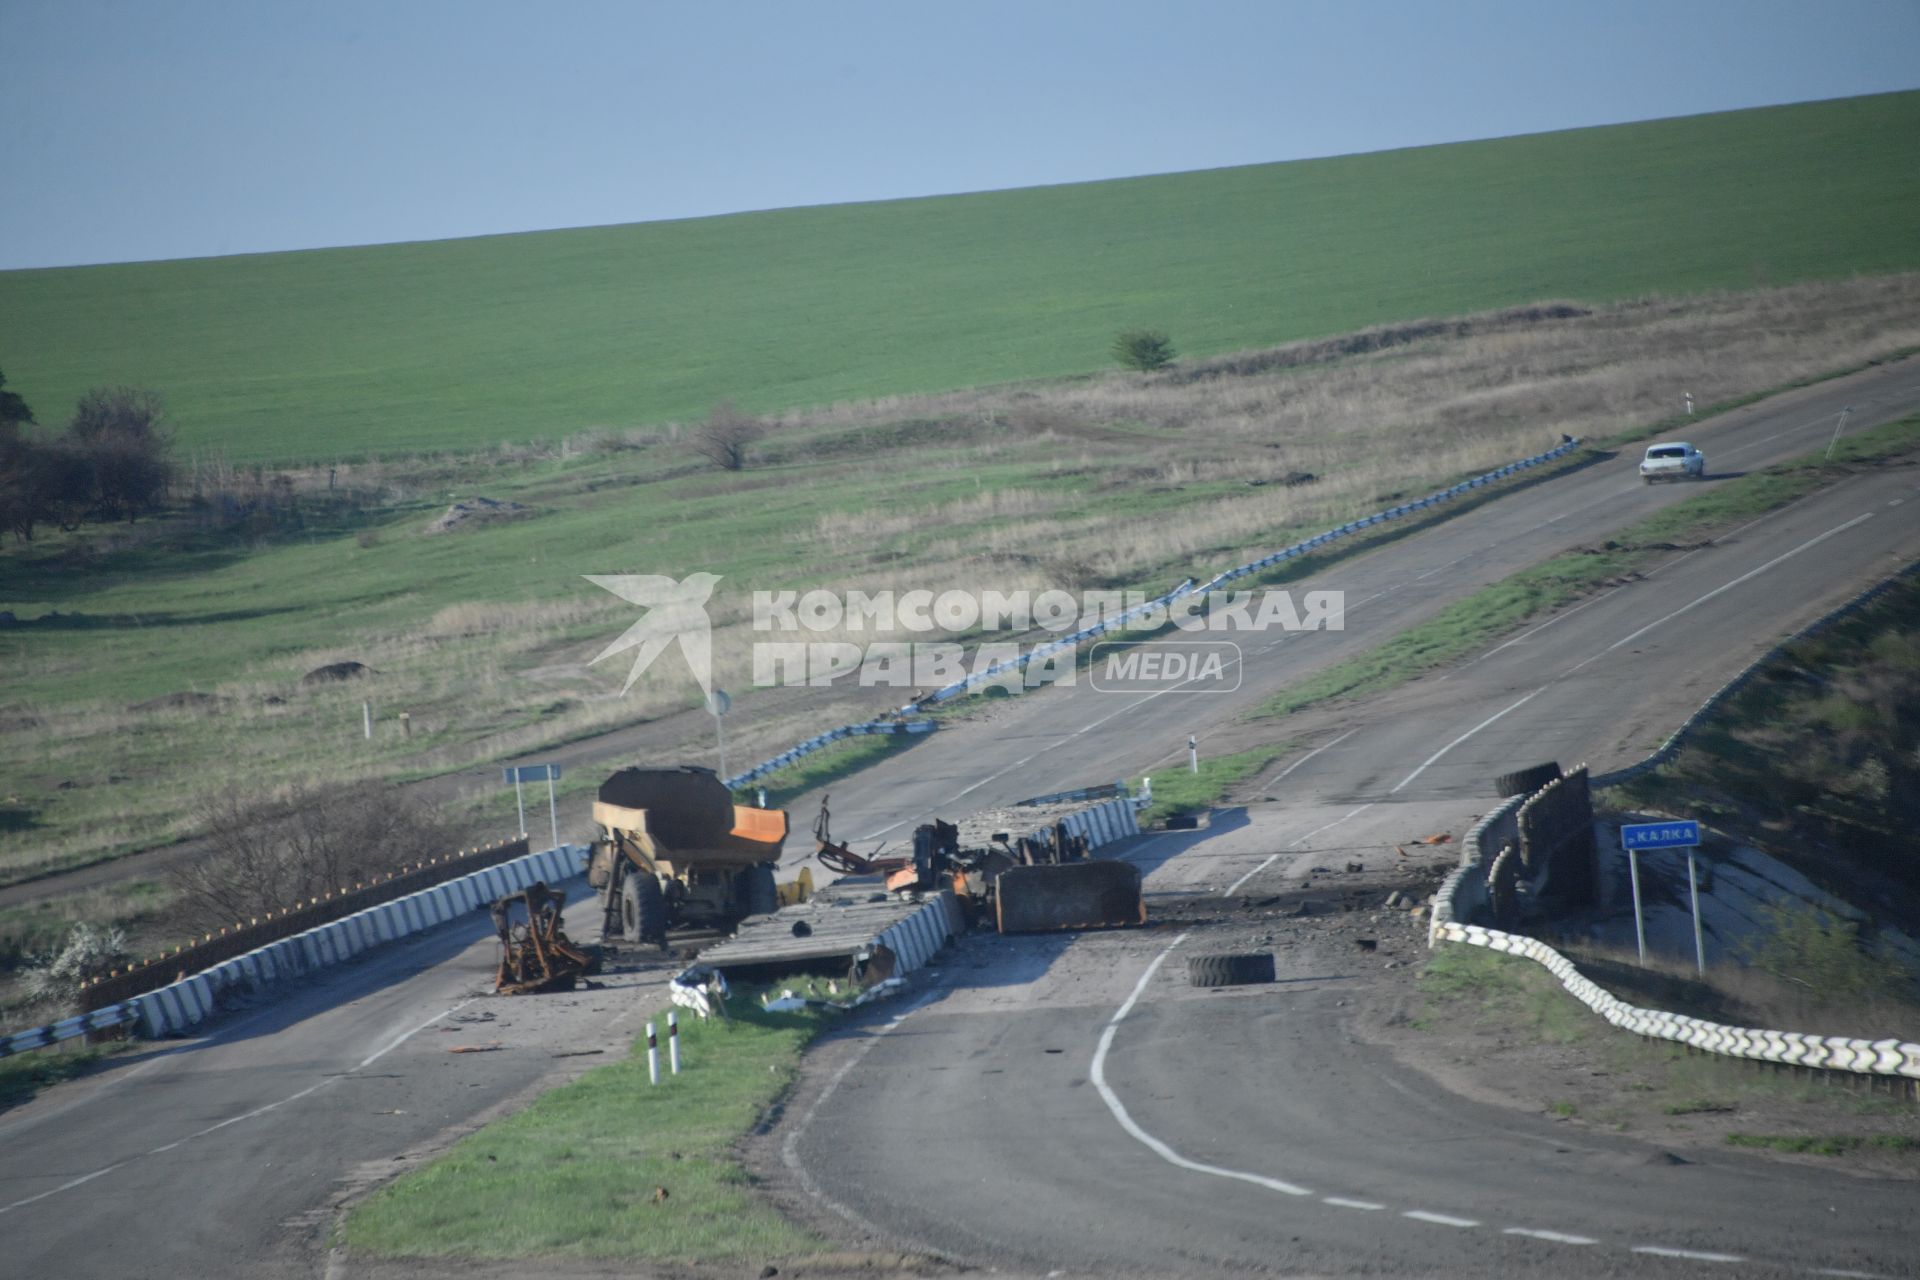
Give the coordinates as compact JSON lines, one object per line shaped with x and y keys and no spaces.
{"x":1027,"y":884}
{"x":676,"y":852}
{"x":536,"y":954}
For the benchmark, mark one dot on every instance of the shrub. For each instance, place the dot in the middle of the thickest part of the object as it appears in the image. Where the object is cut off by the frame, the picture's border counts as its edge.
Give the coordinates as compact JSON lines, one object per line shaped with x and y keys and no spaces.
{"x":725,"y":437}
{"x":1809,"y":946}
{"x":87,"y":953}
{"x":1143,"y":349}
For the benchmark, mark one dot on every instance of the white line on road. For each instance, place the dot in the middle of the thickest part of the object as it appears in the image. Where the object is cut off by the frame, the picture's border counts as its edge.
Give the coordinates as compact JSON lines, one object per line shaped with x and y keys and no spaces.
{"x":1098,"y":1074}
{"x":1723,"y":588}
{"x":1440,"y":1219}
{"x":1558,"y":1237}
{"x":366,"y":1062}
{"x":1692,"y":1255}
{"x":1468,"y":734}
{"x":1341,"y":1202}
{"x":1228,"y":892}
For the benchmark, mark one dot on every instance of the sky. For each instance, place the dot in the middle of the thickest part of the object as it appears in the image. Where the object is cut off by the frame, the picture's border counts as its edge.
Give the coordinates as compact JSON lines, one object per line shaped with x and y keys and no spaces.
{"x":144,"y":129}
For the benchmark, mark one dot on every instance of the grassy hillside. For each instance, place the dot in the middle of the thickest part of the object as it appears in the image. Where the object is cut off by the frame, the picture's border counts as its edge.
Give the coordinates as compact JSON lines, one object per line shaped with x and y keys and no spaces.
{"x":150,"y":666}
{"x":454,"y":343}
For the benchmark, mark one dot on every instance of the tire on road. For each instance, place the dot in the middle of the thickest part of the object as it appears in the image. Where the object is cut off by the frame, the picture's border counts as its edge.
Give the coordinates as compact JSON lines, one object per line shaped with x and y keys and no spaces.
{"x":1523,"y":781}
{"x":1230,"y":970}
{"x":758,"y":895}
{"x":643,"y":909}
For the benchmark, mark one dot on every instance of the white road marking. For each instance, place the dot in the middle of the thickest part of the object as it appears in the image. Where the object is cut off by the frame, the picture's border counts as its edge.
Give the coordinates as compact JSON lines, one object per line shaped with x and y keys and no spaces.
{"x":1341,"y":1202}
{"x":1699,"y":600}
{"x":366,"y":1062}
{"x":1271,"y":858}
{"x":1440,"y":1219}
{"x":790,"y":1145}
{"x":1514,"y":706}
{"x":1097,"y":1072}
{"x":1692,"y":1255}
{"x":1558,"y":1237}
{"x":1635,"y":635}
{"x":1611,"y":592}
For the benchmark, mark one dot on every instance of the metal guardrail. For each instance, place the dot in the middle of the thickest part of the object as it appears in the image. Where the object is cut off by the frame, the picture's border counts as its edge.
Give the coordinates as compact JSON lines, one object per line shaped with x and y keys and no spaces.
{"x":66,"y":1029}
{"x":897,"y":723}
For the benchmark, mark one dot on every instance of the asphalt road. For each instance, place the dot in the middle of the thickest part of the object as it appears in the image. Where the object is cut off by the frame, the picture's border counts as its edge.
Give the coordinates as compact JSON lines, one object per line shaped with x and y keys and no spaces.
{"x":1152,"y":1130}
{"x":1068,"y":738}
{"x":224,"y":1156}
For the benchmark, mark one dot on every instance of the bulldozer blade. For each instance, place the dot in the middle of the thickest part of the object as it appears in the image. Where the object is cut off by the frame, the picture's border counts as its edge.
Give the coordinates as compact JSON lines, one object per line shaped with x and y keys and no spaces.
{"x":1072,"y":895}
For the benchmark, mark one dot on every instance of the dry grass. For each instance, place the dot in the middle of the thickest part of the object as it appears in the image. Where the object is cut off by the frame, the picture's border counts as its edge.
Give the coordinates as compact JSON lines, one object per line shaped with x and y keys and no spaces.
{"x":1115,"y":480}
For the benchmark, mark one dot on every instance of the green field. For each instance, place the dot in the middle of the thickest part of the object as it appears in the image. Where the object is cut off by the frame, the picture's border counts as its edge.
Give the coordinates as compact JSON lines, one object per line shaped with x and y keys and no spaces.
{"x":333,"y":353}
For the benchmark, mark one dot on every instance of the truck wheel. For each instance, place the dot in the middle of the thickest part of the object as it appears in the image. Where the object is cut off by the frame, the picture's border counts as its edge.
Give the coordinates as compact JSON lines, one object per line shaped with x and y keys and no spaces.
{"x":643,"y":910}
{"x":1230,"y":970}
{"x":758,"y":895}
{"x":1526,"y":780}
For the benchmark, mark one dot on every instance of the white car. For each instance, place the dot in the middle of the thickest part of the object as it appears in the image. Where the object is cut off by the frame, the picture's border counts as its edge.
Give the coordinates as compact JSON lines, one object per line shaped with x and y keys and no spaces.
{"x":1673,"y":460}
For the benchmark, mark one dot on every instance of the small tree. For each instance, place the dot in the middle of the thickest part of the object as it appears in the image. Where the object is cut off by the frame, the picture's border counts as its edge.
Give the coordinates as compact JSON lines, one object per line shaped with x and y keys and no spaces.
{"x":122,"y":433}
{"x":1143,"y":349}
{"x":13,"y":411}
{"x":87,"y":953}
{"x":725,"y":437}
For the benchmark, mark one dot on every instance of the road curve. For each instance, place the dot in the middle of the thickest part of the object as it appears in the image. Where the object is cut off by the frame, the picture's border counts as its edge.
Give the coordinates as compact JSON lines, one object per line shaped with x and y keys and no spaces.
{"x":1095,"y":1114}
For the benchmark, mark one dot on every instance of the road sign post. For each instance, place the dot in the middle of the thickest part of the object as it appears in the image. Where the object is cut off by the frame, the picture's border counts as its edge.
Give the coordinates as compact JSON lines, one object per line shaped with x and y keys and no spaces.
{"x":550,"y":773}
{"x":718,"y":704}
{"x":1678,"y":834}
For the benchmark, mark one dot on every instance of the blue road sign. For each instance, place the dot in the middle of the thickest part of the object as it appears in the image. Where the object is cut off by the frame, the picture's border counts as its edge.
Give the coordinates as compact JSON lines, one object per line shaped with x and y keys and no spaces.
{"x":1684,"y":834}
{"x":534,"y":773}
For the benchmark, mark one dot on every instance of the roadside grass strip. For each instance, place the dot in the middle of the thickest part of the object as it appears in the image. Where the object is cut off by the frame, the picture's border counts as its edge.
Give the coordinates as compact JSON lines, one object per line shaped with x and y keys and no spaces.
{"x":1471,"y":624}
{"x":24,"y":1075}
{"x":1179,"y":790}
{"x":611,"y":1166}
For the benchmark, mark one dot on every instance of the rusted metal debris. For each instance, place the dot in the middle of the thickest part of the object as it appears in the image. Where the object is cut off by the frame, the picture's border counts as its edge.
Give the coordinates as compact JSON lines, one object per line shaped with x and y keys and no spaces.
{"x":536,"y":954}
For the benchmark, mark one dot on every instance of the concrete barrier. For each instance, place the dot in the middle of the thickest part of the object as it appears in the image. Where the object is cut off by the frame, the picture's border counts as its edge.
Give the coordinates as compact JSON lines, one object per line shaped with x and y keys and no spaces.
{"x":178,"y":1006}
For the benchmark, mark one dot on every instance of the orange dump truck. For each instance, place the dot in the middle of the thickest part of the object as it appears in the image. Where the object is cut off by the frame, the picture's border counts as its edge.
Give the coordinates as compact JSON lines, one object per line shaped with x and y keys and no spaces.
{"x":676,"y":851}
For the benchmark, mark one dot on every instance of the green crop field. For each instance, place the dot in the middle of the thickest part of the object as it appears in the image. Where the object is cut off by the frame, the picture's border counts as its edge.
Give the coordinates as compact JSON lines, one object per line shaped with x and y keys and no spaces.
{"x":332,"y":353}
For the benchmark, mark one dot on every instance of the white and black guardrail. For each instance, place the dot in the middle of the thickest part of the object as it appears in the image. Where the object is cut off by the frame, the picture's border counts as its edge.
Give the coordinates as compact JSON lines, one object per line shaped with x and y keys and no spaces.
{"x":172,"y":1009}
{"x":1789,"y":1048}
{"x":1464,"y":895}
{"x":1118,"y":621}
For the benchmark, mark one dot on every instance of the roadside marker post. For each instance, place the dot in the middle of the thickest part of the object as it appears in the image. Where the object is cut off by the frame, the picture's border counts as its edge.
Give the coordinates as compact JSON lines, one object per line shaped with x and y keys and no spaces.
{"x":653,"y":1056}
{"x":673,"y":1042}
{"x":1193,"y":753}
{"x":1678,"y":834}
